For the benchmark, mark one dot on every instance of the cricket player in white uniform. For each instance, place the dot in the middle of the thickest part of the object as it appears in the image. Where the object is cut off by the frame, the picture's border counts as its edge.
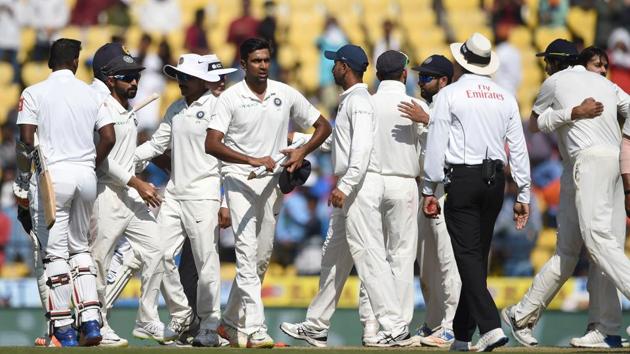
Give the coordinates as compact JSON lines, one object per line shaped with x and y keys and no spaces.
{"x":64,"y":112}
{"x":399,"y":137}
{"x":579,"y":138}
{"x":192,"y":198}
{"x":355,"y":230}
{"x":249,"y":125}
{"x":439,"y":277}
{"x":120,"y":204}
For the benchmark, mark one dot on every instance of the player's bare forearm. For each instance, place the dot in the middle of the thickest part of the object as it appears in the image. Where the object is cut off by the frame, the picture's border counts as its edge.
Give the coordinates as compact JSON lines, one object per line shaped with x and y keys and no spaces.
{"x":322,"y":131}
{"x":215,"y":147}
{"x":105,"y":144}
{"x":27,"y":134}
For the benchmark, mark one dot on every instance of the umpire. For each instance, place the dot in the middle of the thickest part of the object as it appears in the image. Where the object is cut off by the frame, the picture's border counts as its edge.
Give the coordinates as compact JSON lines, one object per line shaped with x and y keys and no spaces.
{"x":472,"y":121}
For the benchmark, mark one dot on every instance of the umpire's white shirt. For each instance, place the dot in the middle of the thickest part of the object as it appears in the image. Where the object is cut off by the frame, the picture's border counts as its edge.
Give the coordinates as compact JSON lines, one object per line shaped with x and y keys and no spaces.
{"x":472,"y":119}
{"x":65,"y":110}
{"x":567,"y":89}
{"x":195,"y":174}
{"x":397,"y":136}
{"x":353,"y":140}
{"x":256,"y":128}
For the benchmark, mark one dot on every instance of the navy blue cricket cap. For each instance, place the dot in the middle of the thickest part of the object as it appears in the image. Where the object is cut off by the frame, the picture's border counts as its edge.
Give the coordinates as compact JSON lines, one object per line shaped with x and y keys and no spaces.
{"x":112,"y":59}
{"x":350,"y":54}
{"x":560,"y":48}
{"x":436,"y":64}
{"x":288,"y":181}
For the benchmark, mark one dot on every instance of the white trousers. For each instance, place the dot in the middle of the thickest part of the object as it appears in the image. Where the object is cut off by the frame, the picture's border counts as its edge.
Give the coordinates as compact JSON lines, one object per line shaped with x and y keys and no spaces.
{"x":355,"y":237}
{"x":399,"y":210}
{"x":593,"y":179}
{"x":75,"y":192}
{"x":197,"y":220}
{"x":439,"y":277}
{"x":117,"y":212}
{"x":254,"y":207}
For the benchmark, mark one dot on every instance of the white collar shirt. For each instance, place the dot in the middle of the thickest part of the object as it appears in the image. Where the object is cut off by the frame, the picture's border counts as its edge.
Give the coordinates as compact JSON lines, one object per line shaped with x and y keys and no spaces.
{"x":65,"y":111}
{"x":567,"y":89}
{"x":194,"y":174}
{"x":259,"y":128}
{"x":473,"y":118}
{"x":398,"y":138}
{"x":354,"y":138}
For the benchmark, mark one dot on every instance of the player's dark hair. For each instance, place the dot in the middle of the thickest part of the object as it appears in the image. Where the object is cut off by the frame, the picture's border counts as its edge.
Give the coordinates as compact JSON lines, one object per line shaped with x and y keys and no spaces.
{"x":390,"y":76}
{"x":590,"y":52}
{"x":63,"y":52}
{"x":253,"y":44}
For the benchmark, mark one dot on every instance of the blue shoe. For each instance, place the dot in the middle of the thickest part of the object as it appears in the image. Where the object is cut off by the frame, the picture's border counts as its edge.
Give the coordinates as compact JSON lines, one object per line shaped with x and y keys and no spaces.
{"x":442,"y":338}
{"x":91,"y":333}
{"x":424,"y":331}
{"x":66,"y":336}
{"x":596,"y":339}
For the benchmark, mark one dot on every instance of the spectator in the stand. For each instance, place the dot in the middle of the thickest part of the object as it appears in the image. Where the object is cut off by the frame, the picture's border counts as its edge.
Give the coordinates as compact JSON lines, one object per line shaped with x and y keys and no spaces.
{"x":331,"y":39}
{"x":118,"y":14}
{"x":387,"y":42}
{"x":267,"y":30}
{"x":510,"y":73}
{"x":507,"y":12}
{"x":5,"y":235}
{"x":47,"y":17}
{"x":196,"y":40}
{"x":152,"y":81}
{"x":619,"y":55}
{"x":86,"y":12}
{"x":610,"y":15}
{"x":553,"y":13}
{"x":12,"y":18}
{"x":240,"y":29}
{"x":163,"y":16}
{"x":7,"y":147}
{"x":514,"y":246}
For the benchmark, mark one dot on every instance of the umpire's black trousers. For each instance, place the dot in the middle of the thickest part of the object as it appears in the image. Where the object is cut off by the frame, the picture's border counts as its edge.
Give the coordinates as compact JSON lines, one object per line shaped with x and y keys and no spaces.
{"x":471,"y":209}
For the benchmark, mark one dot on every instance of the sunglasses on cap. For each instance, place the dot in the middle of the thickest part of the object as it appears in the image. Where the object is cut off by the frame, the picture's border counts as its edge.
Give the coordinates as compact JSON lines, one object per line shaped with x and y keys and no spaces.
{"x":425,"y":79}
{"x":127,"y":77}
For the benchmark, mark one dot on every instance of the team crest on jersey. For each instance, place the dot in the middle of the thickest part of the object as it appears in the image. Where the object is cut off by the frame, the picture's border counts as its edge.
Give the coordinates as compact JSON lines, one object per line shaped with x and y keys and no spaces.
{"x":277,"y":101}
{"x":200,"y":114}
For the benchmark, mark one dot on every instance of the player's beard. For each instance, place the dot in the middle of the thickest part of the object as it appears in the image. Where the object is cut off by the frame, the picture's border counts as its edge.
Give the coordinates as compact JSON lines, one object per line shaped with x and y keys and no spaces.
{"x":128,"y":93}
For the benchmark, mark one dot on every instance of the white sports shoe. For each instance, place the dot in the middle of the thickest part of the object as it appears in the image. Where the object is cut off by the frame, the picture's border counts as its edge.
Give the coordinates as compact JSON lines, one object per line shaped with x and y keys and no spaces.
{"x":260,"y":339}
{"x":180,"y":325}
{"x":299,"y":331}
{"x":523,"y":335}
{"x":370,"y":331}
{"x":111,"y":339}
{"x":232,"y":335}
{"x":206,"y":338}
{"x":461,"y":346}
{"x":442,"y":338}
{"x":386,"y":339}
{"x":153,"y":330}
{"x":596,"y":339}
{"x":491,"y":340}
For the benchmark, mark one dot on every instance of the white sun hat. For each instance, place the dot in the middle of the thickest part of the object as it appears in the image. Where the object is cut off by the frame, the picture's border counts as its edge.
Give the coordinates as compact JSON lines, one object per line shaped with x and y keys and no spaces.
{"x":476,"y":55}
{"x":193,"y":65}
{"x":215,"y":66}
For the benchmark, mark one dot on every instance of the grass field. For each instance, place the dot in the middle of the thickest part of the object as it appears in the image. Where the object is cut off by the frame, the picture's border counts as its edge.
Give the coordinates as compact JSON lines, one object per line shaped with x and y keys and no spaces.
{"x":291,"y":350}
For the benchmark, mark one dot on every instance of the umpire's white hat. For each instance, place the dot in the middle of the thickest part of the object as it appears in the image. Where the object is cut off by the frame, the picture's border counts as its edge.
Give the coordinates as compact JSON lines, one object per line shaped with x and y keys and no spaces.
{"x":476,"y":55}
{"x":215,"y":66}
{"x":193,"y":65}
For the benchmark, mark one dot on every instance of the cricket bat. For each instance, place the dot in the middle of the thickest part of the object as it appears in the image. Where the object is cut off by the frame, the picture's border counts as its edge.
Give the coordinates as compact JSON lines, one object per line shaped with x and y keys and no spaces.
{"x":45,"y":186}
{"x":154,"y":96}
{"x":279,"y":158}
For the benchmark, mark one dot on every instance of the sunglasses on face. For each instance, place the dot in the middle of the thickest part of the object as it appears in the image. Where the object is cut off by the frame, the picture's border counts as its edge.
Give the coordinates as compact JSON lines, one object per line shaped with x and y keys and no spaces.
{"x":182,"y":77}
{"x":425,"y":79}
{"x":127,"y":77}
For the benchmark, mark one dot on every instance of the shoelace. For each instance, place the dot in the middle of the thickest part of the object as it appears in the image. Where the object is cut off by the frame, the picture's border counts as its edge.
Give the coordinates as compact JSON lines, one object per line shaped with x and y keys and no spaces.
{"x":154,"y":327}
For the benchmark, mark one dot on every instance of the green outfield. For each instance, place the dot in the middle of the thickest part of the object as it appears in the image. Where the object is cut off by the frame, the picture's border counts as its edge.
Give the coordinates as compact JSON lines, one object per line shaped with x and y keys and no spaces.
{"x":294,"y":350}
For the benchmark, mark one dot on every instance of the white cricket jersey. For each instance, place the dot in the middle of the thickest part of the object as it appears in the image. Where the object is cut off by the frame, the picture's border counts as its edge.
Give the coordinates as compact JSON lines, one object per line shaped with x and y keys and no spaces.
{"x":65,"y":110}
{"x":473,"y":118}
{"x":567,"y":89}
{"x":119,"y":167}
{"x":259,"y":128}
{"x":195,"y":174}
{"x":397,"y":136}
{"x":354,"y":144}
